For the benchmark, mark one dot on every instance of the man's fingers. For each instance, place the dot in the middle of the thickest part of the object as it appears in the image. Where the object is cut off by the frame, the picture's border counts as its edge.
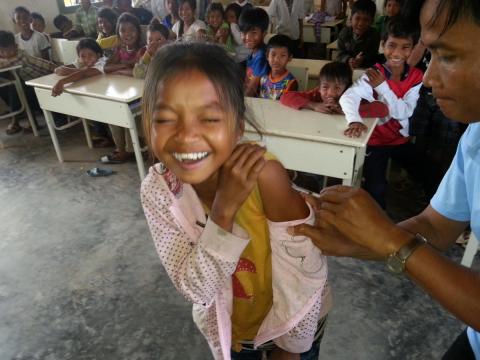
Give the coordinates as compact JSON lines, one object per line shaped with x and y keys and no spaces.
{"x":305,"y":230}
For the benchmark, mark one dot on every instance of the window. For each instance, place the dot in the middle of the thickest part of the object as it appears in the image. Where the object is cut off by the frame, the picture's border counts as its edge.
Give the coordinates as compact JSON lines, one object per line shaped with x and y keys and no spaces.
{"x":69,"y":6}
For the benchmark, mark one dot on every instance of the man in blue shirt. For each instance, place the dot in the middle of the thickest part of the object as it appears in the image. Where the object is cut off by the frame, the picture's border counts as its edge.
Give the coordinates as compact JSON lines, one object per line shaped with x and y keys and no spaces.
{"x":349,"y":223}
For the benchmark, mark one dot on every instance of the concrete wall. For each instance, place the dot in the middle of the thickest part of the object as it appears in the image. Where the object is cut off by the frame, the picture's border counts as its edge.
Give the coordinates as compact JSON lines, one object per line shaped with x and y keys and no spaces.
{"x":48,"y":8}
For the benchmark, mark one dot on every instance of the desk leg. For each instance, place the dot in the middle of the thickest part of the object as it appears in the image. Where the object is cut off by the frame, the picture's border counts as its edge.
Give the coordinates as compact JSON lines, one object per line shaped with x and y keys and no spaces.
{"x":24,"y":102}
{"x":136,"y":148}
{"x":53,"y":134}
{"x":358,"y":166}
{"x":87,"y":133}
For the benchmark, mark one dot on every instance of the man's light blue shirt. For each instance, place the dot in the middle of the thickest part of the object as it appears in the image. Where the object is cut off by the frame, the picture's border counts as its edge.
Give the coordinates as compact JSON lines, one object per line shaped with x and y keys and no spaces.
{"x":458,"y":196}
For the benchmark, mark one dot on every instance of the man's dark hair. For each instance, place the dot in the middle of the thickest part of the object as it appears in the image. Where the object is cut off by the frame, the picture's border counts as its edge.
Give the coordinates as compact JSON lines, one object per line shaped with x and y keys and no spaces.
{"x":7,"y":39}
{"x":280,"y":41}
{"x":455,"y":10}
{"x":364,"y":6}
{"x":59,"y":20}
{"x":38,"y":16}
{"x":253,"y":18}
{"x":398,"y":28}
{"x":89,"y":43}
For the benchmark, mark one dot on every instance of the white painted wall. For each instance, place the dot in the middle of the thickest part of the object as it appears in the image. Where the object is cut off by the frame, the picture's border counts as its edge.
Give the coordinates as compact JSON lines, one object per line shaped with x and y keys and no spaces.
{"x":48,"y":8}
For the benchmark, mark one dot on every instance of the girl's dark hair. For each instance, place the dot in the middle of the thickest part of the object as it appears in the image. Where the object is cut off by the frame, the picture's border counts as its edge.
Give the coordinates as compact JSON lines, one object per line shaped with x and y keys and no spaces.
{"x":215,"y":7}
{"x":336,"y":71}
{"x":109,"y":15}
{"x":193,"y":5}
{"x":210,"y":60}
{"x":237,"y":9}
{"x":89,"y":43}
{"x":156,"y":26}
{"x":7,"y":39}
{"x":397,"y":27}
{"x":365,"y":6}
{"x":38,"y":16}
{"x":132,"y":19}
{"x":59,"y":20}
{"x":254,"y":18}
{"x":455,"y":10}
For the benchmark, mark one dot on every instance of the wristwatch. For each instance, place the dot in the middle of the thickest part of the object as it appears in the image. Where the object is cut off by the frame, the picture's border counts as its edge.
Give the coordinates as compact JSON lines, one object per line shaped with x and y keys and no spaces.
{"x":396,"y":261}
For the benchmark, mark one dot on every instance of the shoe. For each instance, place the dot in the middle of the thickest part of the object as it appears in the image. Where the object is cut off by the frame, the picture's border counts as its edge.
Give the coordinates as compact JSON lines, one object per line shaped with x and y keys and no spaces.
{"x":97,"y":172}
{"x":374,"y":109}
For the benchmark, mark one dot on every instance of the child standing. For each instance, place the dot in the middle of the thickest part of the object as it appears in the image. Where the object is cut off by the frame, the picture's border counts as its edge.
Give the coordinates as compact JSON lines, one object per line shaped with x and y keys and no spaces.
{"x":188,"y":29}
{"x":392,"y":8}
{"x":358,"y":44}
{"x":157,"y":36}
{"x":31,"y":41}
{"x":398,"y":85}
{"x":279,"y":81}
{"x":218,"y":29}
{"x":253,"y":25}
{"x":86,"y":19}
{"x":232,"y":14}
{"x":251,"y":283}
{"x":38,"y":23}
{"x":107,"y":23}
{"x":288,"y":15}
{"x":171,"y":7}
{"x":65,"y":25}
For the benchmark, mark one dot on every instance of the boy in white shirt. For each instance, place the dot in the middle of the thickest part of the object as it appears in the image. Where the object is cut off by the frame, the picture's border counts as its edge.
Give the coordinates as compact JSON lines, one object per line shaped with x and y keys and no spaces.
{"x":31,"y":41}
{"x":288,"y":15}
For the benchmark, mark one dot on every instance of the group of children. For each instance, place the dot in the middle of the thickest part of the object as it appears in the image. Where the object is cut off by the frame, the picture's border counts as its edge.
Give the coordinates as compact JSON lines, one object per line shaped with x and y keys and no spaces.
{"x":215,"y":205}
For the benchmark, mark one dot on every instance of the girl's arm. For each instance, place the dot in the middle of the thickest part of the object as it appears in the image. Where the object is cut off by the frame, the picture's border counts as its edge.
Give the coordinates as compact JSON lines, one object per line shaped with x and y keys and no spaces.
{"x":113,"y":68}
{"x":76,"y":76}
{"x":199,"y":268}
{"x":65,"y":70}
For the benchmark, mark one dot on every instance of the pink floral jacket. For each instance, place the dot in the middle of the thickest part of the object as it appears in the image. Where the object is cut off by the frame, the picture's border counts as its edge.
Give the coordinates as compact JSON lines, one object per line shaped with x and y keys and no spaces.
{"x":200,"y":259}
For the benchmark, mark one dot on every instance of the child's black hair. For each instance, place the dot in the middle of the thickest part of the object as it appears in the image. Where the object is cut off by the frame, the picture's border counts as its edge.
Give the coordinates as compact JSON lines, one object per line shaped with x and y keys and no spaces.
{"x":397,"y":27}
{"x":400,"y":2}
{"x":280,"y":41}
{"x":215,"y":7}
{"x":132,"y":19}
{"x":38,"y":16}
{"x":254,"y":18}
{"x":109,"y":15}
{"x":89,"y":43}
{"x":237,"y":9}
{"x":155,"y":25}
{"x":209,"y":59}
{"x":7,"y":39}
{"x":364,"y":6}
{"x":59,"y":20}
{"x":19,"y":10}
{"x":336,"y":71}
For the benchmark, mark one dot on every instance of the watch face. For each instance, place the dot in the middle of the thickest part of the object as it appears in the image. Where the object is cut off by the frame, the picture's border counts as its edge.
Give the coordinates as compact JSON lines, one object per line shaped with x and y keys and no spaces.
{"x":395,"y":265}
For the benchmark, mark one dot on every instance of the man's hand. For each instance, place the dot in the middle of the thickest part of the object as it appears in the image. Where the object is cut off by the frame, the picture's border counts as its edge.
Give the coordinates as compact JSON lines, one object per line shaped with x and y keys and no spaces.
{"x":355,"y":129}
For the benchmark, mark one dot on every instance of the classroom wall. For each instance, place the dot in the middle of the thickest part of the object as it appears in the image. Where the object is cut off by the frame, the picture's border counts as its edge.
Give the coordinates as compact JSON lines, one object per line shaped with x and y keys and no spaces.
{"x":48,"y":8}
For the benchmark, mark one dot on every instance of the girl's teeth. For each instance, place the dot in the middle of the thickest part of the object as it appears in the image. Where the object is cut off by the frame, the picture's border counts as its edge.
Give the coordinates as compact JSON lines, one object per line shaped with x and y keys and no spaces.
{"x":190,"y":156}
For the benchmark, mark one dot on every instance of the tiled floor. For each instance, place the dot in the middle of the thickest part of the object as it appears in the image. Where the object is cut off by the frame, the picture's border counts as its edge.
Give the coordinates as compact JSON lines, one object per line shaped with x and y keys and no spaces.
{"x":80,"y":278}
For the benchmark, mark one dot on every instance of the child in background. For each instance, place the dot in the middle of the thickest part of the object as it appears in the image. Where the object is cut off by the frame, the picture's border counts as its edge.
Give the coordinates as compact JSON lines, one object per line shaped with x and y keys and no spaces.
{"x":358,"y":44}
{"x":32,"y":68}
{"x":86,"y":19}
{"x":287,"y":17}
{"x":107,"y":23}
{"x":31,"y":41}
{"x":392,"y":8}
{"x":65,"y":25}
{"x":217,"y":29}
{"x":157,"y":36}
{"x":244,"y":4}
{"x":397,"y":85}
{"x":279,"y":81}
{"x":188,"y":29}
{"x":90,"y":62}
{"x":232,"y":14}
{"x":144,"y":16}
{"x":254,"y":287}
{"x":38,"y":23}
{"x":171,"y":6}
{"x":253,"y":25}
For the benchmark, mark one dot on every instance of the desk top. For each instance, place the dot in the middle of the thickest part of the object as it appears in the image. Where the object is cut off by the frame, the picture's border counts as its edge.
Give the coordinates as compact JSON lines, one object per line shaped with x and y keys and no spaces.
{"x":277,"y":119}
{"x":314,"y":67}
{"x":110,"y":87}
{"x":14,"y":67}
{"x":333,"y":23}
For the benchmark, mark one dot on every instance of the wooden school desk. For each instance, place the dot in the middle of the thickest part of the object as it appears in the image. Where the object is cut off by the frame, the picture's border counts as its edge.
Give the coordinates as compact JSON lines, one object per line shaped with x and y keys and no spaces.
{"x":110,"y":99}
{"x":329,"y":31}
{"x":12,"y":70}
{"x":309,"y":141}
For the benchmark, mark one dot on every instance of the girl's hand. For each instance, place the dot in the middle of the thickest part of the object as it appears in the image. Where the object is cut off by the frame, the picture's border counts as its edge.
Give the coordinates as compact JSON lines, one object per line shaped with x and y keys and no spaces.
{"x":58,"y":88}
{"x":237,"y":178}
{"x":375,"y":77}
{"x":221,"y":35}
{"x":355,"y":129}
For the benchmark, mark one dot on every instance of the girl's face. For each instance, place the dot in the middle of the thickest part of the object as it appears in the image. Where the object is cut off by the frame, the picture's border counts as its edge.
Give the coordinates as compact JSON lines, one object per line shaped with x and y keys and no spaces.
{"x":170,"y":6}
{"x":192,"y":132}
{"x":331,"y":90}
{"x":215,"y":19}
{"x":186,"y":13}
{"x":105,"y":26}
{"x":231,"y":17}
{"x":392,"y":8}
{"x":38,"y":25}
{"x":154,"y":41}
{"x":88,"y":57}
{"x":128,"y":34}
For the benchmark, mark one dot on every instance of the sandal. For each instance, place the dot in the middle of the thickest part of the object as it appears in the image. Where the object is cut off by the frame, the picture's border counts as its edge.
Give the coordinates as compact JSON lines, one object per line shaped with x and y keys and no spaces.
{"x":13,"y":129}
{"x":97,"y":172}
{"x":116,"y":158}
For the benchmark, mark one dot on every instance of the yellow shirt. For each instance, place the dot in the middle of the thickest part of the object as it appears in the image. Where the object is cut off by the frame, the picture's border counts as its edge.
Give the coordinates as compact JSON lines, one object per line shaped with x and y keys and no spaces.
{"x":108,"y":42}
